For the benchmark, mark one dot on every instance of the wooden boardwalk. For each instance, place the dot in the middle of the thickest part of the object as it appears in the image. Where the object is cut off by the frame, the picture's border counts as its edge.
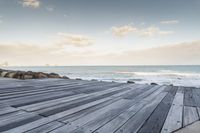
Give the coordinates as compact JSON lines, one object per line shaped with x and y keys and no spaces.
{"x":78,"y":106}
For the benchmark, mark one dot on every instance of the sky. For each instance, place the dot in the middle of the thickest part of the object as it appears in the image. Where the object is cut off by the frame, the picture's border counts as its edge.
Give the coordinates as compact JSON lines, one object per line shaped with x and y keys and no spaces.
{"x":99,"y":32}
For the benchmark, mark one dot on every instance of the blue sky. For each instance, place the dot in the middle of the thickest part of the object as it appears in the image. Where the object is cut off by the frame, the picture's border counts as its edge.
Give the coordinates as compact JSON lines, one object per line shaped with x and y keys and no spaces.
{"x":90,"y":32}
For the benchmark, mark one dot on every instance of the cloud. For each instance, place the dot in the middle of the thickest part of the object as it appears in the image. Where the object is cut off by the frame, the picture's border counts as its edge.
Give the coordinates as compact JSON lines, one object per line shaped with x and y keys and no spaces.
{"x":31,"y":3}
{"x":170,"y":22}
{"x":142,"y":32}
{"x":123,"y":30}
{"x":74,"y":39}
{"x":153,"y":31}
{"x":35,"y":54}
{"x":186,"y":53}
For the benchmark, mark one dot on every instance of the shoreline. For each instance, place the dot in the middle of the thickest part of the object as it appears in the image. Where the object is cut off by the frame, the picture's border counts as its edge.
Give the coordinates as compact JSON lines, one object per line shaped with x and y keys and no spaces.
{"x":155,"y":80}
{"x":26,"y":75}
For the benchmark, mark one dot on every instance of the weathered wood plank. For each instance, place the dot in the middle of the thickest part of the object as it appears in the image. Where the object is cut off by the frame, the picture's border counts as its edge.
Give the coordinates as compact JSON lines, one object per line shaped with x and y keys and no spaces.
{"x":193,"y":128}
{"x":87,"y":118}
{"x":190,"y":115}
{"x":196,"y":94}
{"x":79,"y":114}
{"x":62,"y":107}
{"x":108,"y":116}
{"x":46,"y":128}
{"x":16,"y":119}
{"x":57,"y":116}
{"x":174,"y":117}
{"x":114,"y":124}
{"x":135,"y":122}
{"x":156,"y":120}
{"x":22,"y":101}
{"x":188,"y":97}
{"x":7,"y":109}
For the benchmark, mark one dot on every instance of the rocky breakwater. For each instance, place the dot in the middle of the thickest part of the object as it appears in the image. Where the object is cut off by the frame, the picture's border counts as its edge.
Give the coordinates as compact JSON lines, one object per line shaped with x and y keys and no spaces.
{"x":28,"y":74}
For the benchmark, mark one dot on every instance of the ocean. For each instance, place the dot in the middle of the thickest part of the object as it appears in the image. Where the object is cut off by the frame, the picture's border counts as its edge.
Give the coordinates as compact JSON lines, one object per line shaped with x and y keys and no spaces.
{"x":176,"y":75}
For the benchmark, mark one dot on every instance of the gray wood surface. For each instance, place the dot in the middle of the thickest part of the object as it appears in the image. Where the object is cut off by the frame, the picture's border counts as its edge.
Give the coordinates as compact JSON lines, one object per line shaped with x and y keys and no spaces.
{"x":174,"y":119}
{"x":80,"y":106}
{"x":190,"y":115}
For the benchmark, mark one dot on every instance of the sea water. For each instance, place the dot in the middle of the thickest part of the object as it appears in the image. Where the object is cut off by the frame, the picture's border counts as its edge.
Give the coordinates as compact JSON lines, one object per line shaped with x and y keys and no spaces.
{"x":176,"y":75}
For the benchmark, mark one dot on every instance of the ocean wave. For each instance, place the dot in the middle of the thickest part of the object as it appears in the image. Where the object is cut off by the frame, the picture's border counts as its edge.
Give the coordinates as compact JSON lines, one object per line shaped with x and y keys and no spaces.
{"x":161,"y":73}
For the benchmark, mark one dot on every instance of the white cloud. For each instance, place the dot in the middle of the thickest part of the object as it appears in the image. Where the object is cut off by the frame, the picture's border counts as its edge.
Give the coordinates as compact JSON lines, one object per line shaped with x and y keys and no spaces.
{"x":186,"y":53}
{"x":169,"y":22}
{"x":123,"y":30}
{"x":145,"y":32}
{"x":153,"y":31}
{"x":74,"y":39}
{"x":31,"y":3}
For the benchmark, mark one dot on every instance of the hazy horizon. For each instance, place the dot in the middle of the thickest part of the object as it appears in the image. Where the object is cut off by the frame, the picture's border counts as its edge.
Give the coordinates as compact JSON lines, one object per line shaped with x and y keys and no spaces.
{"x":99,"y":33}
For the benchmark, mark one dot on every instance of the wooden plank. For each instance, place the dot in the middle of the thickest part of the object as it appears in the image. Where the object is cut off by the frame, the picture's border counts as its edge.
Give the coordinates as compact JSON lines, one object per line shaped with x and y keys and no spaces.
{"x":16,"y":119}
{"x":45,"y":104}
{"x":137,"y":92}
{"x":46,"y":128}
{"x":40,"y":122}
{"x":156,"y":120}
{"x":22,"y":101}
{"x":120,"y":120}
{"x":83,"y":120}
{"x":56,"y":109}
{"x":108,"y":116}
{"x":135,"y":122}
{"x":99,"y":118}
{"x":190,"y":115}
{"x":79,"y":114}
{"x":7,"y":109}
{"x":196,"y":94}
{"x":188,"y":98}
{"x":75,"y":103}
{"x":174,"y":117}
{"x":41,"y":105}
{"x":46,"y":120}
{"x":192,"y":128}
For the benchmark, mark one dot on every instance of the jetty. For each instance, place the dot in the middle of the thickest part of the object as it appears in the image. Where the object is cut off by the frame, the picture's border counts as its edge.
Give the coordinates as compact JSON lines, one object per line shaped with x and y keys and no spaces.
{"x":81,"y":106}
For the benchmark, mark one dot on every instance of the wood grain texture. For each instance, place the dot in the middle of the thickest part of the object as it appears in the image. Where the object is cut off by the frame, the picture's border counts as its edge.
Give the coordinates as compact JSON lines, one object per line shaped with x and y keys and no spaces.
{"x":79,"y":106}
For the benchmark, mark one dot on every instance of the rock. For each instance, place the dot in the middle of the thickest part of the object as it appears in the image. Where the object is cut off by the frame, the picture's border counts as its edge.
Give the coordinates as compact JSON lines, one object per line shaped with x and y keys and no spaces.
{"x":78,"y":79}
{"x":3,"y":74}
{"x":28,"y":76}
{"x":53,"y":75}
{"x":10,"y":74}
{"x":130,"y":82}
{"x":41,"y":75}
{"x":19,"y":75}
{"x":154,"y":84}
{"x":94,"y":80}
{"x":1,"y":70}
{"x":29,"y":73}
{"x":65,"y":77}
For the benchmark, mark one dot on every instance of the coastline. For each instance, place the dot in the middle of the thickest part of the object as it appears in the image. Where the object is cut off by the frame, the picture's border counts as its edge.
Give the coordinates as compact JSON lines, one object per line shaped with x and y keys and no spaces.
{"x":125,"y":74}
